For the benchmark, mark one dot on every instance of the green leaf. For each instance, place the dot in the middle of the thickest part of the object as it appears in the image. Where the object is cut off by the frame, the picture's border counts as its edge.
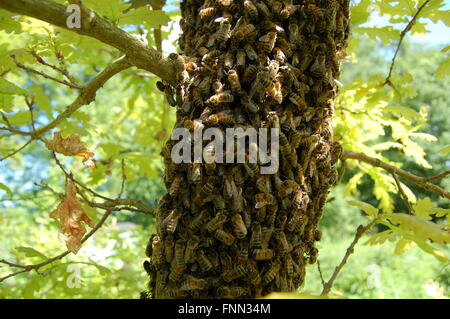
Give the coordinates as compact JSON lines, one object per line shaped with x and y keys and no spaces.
{"x":31,"y":252}
{"x":443,"y":69}
{"x":6,"y":189}
{"x":403,"y":245}
{"x":425,"y":208}
{"x":441,"y":256}
{"x":360,"y":12}
{"x":381,"y":238}
{"x":445,"y":150}
{"x":369,"y":209}
{"x":144,"y":15}
{"x":103,"y":270}
{"x":421,"y":229}
{"x":7,"y":87}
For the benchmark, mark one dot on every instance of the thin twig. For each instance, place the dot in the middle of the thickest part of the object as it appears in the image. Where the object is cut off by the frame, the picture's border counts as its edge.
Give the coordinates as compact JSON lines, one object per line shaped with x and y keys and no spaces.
{"x":360,"y":231}
{"x":403,"y":194}
{"x":437,"y":177}
{"x":28,"y":268}
{"x":320,"y":274}
{"x":64,"y":72}
{"x":17,"y":151}
{"x":44,"y":75}
{"x":402,"y":36}
{"x":419,"y":181}
{"x":124,"y":178}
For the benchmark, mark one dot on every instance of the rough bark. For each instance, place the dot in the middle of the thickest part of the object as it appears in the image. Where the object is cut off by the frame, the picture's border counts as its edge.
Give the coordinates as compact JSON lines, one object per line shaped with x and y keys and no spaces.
{"x":225,"y":230}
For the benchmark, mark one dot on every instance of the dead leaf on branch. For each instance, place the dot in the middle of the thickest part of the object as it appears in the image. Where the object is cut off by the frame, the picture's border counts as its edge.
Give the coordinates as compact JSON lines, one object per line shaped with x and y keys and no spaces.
{"x":71,"y":146}
{"x":70,"y":214}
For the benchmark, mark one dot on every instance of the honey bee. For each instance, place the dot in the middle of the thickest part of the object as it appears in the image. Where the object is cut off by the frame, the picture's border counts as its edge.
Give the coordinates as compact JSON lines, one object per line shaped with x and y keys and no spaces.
{"x":169,"y":246}
{"x":263,"y":9}
{"x":231,"y":292}
{"x":260,"y":84}
{"x":250,"y":52}
{"x":263,"y":184}
{"x":225,"y":3}
{"x":279,"y":55}
{"x":268,"y":41}
{"x":197,"y":97}
{"x":298,"y":101}
{"x":191,"y":246}
{"x":196,"y":173}
{"x":252,"y":271}
{"x":192,"y":283}
{"x":239,"y":226}
{"x":256,"y":238}
{"x":223,"y":97}
{"x":313,"y":254}
{"x":207,"y":13}
{"x":213,"y":257}
{"x":243,"y":252}
{"x":250,"y":9}
{"x":216,"y":222}
{"x":171,"y":221}
{"x":235,"y":273}
{"x":246,"y":216}
{"x":318,"y":68}
{"x":157,"y":250}
{"x":271,"y":273}
{"x":297,"y":223}
{"x":223,"y":34}
{"x":150,"y":269}
{"x":274,"y":91}
{"x":289,"y":265}
{"x":235,"y":85}
{"x":264,"y":199}
{"x":249,"y":105}
{"x":208,"y":188}
{"x":340,"y":28}
{"x":240,"y":59}
{"x":284,"y":46}
{"x":262,"y":254}
{"x":266,"y":236}
{"x":177,"y":293}
{"x":203,"y":261}
{"x":179,"y":253}
{"x":244,"y":32}
{"x":288,"y":10}
{"x":197,"y":222}
{"x":317,"y":235}
{"x":284,"y":244}
{"x":176,"y":273}
{"x":225,"y":237}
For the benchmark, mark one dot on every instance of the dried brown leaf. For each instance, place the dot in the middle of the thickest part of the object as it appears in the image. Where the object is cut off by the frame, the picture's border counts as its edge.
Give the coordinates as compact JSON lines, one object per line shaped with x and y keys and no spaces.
{"x":70,"y":214}
{"x":71,"y":146}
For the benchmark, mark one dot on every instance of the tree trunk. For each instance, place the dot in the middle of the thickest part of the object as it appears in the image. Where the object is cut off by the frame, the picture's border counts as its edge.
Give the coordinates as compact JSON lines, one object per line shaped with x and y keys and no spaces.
{"x":226,"y":230}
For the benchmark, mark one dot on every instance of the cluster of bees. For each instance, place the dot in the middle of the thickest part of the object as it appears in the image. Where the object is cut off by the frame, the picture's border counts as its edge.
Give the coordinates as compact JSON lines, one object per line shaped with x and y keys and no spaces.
{"x":225,"y":230}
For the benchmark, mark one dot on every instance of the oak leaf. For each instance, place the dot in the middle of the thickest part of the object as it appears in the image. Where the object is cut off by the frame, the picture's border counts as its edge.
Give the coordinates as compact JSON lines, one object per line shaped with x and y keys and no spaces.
{"x":71,"y":146}
{"x":70,"y":215}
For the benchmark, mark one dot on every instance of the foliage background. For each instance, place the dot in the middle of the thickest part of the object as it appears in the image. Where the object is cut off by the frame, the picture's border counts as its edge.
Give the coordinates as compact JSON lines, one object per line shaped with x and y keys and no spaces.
{"x":130,"y":120}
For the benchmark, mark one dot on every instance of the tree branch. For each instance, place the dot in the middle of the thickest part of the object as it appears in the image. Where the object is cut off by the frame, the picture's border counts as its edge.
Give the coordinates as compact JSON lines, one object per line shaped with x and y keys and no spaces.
{"x":419,"y":181}
{"x":139,"y":54}
{"x":402,"y":36}
{"x":360,"y":231}
{"x":28,"y":268}
{"x":86,"y":96}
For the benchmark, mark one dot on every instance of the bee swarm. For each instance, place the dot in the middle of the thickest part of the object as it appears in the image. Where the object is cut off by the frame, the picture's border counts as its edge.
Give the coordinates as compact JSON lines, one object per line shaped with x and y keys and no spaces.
{"x":225,"y":230}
